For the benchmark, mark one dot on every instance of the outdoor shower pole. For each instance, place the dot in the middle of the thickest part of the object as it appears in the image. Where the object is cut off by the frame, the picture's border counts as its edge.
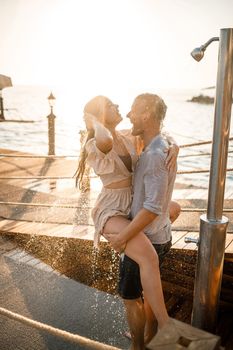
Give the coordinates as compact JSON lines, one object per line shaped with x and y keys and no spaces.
{"x":213,"y":225}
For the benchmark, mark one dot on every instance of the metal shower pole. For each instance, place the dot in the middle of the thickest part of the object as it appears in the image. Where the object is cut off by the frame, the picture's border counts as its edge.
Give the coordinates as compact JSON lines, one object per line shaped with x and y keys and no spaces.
{"x":213,"y":226}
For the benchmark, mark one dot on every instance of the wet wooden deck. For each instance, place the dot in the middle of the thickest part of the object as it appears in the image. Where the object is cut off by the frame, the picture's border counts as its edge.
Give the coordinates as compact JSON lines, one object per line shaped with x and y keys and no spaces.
{"x":86,"y":232}
{"x":75,"y":222}
{"x":74,"y":227}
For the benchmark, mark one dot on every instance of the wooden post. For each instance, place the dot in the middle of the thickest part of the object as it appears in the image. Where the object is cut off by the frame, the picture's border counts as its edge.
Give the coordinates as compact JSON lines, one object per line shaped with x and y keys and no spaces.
{"x":51,"y":133}
{"x":178,"y":335}
{"x":1,"y":108}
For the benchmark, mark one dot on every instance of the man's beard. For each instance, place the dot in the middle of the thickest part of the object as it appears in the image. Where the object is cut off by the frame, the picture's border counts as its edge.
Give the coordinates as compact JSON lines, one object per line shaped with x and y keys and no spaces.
{"x":136,"y":131}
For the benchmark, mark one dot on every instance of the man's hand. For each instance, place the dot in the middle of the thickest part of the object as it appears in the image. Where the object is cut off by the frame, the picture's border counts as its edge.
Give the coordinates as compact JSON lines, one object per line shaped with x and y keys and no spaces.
{"x":116,"y":242}
{"x":171,"y":159}
{"x":143,"y":218}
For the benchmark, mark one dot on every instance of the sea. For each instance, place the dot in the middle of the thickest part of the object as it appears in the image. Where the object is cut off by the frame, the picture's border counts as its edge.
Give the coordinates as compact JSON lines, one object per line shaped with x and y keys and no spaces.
{"x":26,"y":126}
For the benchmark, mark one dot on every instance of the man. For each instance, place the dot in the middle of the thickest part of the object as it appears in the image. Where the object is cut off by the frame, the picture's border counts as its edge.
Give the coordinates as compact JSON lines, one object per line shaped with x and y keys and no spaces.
{"x":153,"y":186}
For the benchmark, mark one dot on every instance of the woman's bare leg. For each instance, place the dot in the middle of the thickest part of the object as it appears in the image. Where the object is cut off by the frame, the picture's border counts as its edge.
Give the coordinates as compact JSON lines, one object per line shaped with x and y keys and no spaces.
{"x":174,"y":211}
{"x":140,"y":249}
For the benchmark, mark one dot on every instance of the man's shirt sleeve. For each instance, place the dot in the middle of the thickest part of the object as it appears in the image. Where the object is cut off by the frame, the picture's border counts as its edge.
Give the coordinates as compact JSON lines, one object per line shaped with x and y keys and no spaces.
{"x":155,"y":182}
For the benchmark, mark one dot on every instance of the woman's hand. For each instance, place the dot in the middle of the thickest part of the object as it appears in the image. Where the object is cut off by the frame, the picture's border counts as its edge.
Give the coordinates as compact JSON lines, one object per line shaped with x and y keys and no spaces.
{"x":171,"y":160}
{"x":116,"y":242}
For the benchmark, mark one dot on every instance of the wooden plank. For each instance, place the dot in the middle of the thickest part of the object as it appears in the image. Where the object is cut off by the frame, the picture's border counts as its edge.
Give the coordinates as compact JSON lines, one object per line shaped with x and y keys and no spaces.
{"x":61,"y":231}
{"x":48,"y":229}
{"x":229,"y":248}
{"x":184,"y":312}
{"x":171,"y":303}
{"x":34,"y":166}
{"x":43,"y":228}
{"x":87,"y":232}
{"x":5,"y":223}
{"x":55,"y":230}
{"x":177,"y":235}
{"x":25,"y":227}
{"x":229,"y":238}
{"x":9,"y":225}
{"x":180,"y":242}
{"x":179,"y":335}
{"x":64,"y":232}
{"x":16,"y":227}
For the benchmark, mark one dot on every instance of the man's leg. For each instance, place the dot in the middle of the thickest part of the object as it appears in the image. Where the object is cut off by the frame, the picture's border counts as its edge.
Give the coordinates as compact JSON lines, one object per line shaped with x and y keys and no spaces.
{"x":139,"y":319}
{"x":136,"y":321}
{"x":130,"y":290}
{"x":151,"y":324}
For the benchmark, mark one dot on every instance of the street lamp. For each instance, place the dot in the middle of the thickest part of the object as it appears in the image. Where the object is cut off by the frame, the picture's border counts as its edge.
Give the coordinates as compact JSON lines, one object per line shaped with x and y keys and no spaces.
{"x":51,"y":100}
{"x":51,"y":127}
{"x":213,"y":226}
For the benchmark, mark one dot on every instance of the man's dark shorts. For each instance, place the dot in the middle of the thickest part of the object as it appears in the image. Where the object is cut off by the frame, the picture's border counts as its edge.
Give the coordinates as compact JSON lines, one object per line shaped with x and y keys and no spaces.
{"x":129,"y":286}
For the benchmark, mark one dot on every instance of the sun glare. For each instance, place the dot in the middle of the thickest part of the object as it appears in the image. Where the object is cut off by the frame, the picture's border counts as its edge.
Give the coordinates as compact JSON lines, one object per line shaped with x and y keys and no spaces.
{"x":89,"y":46}
{"x":115,"y":48}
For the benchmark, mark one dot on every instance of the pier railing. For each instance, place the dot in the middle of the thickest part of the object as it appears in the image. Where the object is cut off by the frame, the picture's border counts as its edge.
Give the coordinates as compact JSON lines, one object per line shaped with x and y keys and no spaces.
{"x":71,"y":177}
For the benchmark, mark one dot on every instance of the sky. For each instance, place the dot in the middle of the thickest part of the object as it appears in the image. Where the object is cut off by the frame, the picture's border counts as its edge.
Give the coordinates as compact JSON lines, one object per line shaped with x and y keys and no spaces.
{"x":111,"y":47}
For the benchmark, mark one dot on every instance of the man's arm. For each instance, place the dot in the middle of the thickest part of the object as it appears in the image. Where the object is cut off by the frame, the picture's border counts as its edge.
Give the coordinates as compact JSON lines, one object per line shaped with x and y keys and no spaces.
{"x":172,"y":150}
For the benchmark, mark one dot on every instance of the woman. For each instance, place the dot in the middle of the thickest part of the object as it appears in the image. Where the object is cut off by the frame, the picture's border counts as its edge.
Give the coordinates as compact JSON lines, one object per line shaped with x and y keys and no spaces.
{"x":112,"y":155}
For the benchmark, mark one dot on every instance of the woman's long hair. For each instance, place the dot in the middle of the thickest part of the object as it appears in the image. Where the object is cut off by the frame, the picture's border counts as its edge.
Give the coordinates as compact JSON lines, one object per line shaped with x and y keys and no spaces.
{"x":83,"y":156}
{"x":96,"y":107}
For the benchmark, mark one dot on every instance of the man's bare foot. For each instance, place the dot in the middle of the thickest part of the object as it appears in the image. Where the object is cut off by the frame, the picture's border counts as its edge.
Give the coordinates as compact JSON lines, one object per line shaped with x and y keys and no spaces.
{"x":151,"y":329}
{"x":148,"y":337}
{"x":127,"y":335}
{"x":133,"y":348}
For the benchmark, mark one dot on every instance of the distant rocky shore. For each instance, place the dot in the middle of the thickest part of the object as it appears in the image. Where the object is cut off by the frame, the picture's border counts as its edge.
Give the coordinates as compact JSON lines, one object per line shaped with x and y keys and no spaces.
{"x":202,"y":99}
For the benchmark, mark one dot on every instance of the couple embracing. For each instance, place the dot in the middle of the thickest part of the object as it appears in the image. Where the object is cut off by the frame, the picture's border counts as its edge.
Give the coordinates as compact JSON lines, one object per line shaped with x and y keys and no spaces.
{"x":134,"y":210}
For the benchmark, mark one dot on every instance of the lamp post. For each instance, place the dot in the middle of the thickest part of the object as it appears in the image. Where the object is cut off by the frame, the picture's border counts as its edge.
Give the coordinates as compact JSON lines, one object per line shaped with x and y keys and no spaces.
{"x":213,"y":226}
{"x":1,"y":107}
{"x":51,"y":125}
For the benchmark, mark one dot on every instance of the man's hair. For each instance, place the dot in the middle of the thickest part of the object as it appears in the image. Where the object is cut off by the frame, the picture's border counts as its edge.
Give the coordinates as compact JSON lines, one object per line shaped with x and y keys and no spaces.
{"x":154,"y":104}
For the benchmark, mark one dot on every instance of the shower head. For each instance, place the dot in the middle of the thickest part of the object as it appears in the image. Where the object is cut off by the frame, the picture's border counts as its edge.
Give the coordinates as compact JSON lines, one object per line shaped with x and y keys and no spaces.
{"x":198,"y":52}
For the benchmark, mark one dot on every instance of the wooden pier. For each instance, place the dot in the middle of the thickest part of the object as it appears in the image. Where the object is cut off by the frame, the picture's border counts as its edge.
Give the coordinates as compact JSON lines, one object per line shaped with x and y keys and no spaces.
{"x":54,"y":225}
{"x":55,"y":207}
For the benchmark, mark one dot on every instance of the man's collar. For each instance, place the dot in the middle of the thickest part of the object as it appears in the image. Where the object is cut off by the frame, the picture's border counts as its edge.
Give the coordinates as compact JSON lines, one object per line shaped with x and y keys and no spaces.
{"x":152,"y":141}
